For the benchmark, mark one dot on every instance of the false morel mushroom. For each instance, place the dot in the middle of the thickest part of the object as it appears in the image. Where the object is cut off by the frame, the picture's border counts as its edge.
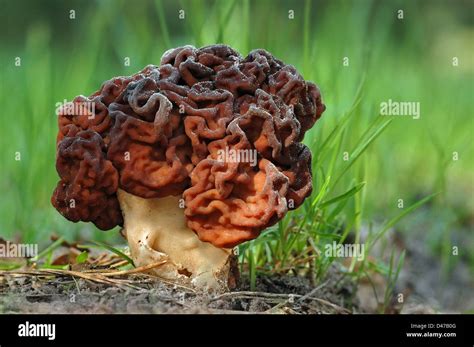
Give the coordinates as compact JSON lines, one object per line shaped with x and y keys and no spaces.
{"x":192,"y":157}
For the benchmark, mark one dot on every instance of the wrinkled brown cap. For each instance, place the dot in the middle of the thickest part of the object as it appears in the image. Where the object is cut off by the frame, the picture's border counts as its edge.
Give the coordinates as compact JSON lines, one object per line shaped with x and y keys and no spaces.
{"x":163,"y":132}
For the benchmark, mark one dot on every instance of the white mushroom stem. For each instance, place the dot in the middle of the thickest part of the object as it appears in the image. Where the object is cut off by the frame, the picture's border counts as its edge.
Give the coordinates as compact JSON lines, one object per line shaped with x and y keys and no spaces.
{"x":156,"y":230}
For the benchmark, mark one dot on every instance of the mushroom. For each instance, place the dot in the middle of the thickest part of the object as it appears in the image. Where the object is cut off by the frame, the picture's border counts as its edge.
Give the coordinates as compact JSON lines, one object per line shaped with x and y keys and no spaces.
{"x":192,"y":158}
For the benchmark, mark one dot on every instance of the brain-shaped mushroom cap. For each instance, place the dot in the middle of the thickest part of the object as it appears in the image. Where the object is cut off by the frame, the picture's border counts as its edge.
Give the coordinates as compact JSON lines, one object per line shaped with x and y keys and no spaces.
{"x":221,"y":130}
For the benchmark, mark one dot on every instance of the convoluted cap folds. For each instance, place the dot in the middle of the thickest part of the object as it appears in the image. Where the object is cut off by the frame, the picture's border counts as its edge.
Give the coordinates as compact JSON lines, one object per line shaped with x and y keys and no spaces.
{"x":88,"y":183}
{"x":221,"y":130}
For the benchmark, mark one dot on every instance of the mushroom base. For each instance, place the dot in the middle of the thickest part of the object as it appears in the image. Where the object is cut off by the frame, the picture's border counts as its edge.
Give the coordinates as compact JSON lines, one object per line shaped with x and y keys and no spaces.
{"x":156,"y":231}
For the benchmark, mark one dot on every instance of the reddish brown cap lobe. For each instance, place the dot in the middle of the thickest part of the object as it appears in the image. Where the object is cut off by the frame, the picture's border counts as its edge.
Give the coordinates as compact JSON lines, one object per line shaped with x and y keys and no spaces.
{"x":162,"y":132}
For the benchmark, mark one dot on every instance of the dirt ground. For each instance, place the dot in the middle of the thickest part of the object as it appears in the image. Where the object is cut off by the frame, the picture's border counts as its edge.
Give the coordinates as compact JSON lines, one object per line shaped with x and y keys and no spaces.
{"x":276,"y":294}
{"x":281,"y":294}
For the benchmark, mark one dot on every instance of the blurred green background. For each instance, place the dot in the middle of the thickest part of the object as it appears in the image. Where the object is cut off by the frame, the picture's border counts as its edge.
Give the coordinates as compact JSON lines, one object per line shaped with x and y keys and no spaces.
{"x":409,"y":59}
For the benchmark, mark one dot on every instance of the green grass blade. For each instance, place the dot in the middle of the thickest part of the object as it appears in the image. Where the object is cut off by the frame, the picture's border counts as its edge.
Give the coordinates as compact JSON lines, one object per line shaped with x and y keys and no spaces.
{"x":163,"y":26}
{"x":82,"y":257}
{"x":114,"y":250}
{"x":361,"y":149}
{"x":354,"y":190}
{"x":224,"y":20}
{"x":48,"y":250}
{"x":395,"y":220}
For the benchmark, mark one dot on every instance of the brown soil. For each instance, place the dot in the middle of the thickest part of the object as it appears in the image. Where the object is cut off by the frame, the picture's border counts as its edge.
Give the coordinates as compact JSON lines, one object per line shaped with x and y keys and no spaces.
{"x":276,"y":294}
